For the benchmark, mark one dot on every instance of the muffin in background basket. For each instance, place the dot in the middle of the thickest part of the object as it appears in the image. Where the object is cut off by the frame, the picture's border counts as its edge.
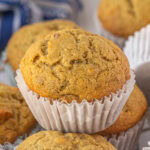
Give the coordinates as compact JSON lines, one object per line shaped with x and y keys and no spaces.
{"x":54,"y":140}
{"x":25,"y":36}
{"x":80,"y":81}
{"x":123,"y":17}
{"x":124,"y":133}
{"x":15,"y":116}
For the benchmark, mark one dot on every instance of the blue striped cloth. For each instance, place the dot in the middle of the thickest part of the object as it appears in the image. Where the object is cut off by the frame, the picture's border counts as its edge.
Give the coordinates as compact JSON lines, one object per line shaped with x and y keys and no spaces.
{"x":16,"y":13}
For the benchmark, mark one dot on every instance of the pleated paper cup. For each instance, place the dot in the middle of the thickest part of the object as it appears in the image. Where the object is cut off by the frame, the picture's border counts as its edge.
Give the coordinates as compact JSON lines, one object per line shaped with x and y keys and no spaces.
{"x":11,"y":74}
{"x":137,"y":49}
{"x":120,"y":41}
{"x":127,"y":140}
{"x":82,"y":117}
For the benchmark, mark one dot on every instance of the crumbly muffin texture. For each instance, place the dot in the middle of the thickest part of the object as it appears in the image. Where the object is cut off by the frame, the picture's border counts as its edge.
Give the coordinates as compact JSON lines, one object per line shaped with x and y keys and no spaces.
{"x":24,"y":37}
{"x":124,"y":17}
{"x":54,"y":140}
{"x":75,"y":65}
{"x":131,"y":114}
{"x":15,"y":116}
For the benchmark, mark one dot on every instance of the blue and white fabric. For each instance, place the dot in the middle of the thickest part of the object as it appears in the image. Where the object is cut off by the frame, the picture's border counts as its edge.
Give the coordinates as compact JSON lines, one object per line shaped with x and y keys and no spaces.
{"x":16,"y":13}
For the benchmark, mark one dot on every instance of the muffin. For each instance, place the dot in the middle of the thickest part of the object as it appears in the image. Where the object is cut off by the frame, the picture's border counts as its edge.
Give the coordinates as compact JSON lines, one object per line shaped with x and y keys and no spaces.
{"x":123,"y":18}
{"x":15,"y":116}
{"x":130,"y":122}
{"x":80,"y":80}
{"x":54,"y":140}
{"x":24,"y":37}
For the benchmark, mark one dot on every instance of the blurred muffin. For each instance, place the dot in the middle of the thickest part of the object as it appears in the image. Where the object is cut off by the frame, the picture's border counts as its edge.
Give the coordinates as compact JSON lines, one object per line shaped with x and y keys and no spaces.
{"x":124,"y":17}
{"x":15,"y":116}
{"x":75,"y":68}
{"x":54,"y":140}
{"x":130,"y":122}
{"x":24,"y":37}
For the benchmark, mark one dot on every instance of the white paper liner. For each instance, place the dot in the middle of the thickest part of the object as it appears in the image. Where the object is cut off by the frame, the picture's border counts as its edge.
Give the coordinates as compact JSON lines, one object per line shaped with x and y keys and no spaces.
{"x":144,"y":139}
{"x":148,"y":116}
{"x":84,"y":117}
{"x":11,"y":74}
{"x":120,"y":41}
{"x":128,"y":140}
{"x":137,"y":49}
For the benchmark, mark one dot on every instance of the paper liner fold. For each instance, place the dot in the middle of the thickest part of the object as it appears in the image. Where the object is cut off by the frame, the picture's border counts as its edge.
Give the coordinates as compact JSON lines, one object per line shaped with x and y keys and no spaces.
{"x":137,"y":49}
{"x":82,"y":117}
{"x":128,"y":140}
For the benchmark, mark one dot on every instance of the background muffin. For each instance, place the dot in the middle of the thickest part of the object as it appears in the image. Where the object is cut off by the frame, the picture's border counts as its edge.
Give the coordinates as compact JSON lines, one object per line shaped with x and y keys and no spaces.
{"x":54,"y":140}
{"x":130,"y":122}
{"x":24,"y":37}
{"x":68,"y":70}
{"x":124,"y":17}
{"x":15,"y":116}
{"x":132,"y":113}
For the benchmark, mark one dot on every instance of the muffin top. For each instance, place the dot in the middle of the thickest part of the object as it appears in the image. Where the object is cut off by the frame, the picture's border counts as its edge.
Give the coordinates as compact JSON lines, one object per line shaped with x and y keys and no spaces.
{"x":124,"y":17}
{"x":74,"y":65}
{"x":54,"y":140}
{"x":131,"y":114}
{"x":23,"y":38}
{"x":15,"y":116}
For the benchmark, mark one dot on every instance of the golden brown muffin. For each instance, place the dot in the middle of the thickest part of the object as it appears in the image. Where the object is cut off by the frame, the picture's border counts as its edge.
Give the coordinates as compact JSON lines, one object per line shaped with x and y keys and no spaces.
{"x":15,"y":116}
{"x":75,"y":65}
{"x":54,"y":140}
{"x":23,"y":38}
{"x":124,"y":17}
{"x":131,"y":114}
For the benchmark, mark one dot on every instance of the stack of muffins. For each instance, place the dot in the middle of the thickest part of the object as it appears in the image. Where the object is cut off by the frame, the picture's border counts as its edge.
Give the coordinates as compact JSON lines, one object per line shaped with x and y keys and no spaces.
{"x":76,"y":82}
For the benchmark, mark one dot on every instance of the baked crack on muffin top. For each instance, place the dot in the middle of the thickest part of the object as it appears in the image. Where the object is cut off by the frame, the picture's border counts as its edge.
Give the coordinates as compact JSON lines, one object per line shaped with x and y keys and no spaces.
{"x":75,"y":65}
{"x":15,"y":116}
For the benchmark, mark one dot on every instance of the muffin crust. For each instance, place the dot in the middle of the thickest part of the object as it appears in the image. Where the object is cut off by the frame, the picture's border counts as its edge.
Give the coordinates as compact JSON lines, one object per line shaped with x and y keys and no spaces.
{"x":15,"y":116}
{"x":54,"y":140}
{"x":131,"y":114}
{"x":24,"y":37}
{"x":124,"y":17}
{"x":74,"y":65}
